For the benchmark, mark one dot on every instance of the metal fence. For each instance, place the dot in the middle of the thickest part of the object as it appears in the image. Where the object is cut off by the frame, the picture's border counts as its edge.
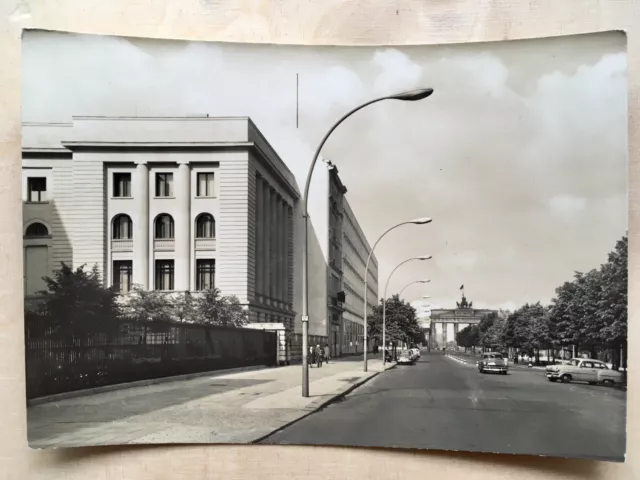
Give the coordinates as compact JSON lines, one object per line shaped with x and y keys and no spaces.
{"x":59,"y":360}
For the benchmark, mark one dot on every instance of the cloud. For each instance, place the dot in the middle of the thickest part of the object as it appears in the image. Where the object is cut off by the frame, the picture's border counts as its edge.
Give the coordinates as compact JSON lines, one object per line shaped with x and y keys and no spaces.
{"x":517,"y":138}
{"x":566,"y":206}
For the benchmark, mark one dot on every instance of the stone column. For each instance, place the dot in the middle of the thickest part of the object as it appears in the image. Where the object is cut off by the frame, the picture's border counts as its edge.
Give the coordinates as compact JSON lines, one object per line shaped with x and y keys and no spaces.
{"x":267,"y":243}
{"x":290,"y":255}
{"x":280,"y":234}
{"x":273,"y":245}
{"x":259,"y":261}
{"x":183,"y":228}
{"x":141,"y":238}
{"x":285,"y":254}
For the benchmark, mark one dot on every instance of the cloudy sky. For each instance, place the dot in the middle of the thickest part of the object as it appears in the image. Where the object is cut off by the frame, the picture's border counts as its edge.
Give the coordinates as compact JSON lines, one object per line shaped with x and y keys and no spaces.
{"x":519,"y":156}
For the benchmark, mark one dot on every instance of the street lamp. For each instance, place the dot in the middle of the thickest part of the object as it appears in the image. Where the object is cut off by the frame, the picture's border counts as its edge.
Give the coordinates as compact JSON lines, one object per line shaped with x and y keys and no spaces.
{"x":417,"y":221}
{"x":410,"y":96}
{"x":384,"y":304}
{"x":409,"y":284}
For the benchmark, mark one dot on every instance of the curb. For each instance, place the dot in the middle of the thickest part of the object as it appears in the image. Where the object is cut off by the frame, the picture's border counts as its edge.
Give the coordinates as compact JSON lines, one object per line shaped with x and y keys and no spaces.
{"x":320,"y":404}
{"x":464,"y":362}
{"x":141,"y":383}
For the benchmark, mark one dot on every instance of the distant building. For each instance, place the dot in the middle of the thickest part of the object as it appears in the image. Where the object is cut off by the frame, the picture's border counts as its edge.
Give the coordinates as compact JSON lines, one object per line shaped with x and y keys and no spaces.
{"x":355,"y":251}
{"x":446,"y":323}
{"x":336,"y":267}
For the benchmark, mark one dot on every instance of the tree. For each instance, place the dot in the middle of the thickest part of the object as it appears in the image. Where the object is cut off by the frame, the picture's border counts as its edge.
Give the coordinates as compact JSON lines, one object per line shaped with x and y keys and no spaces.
{"x":150,"y":305}
{"x":212,"y":308}
{"x":468,"y":337}
{"x":401,"y":322}
{"x":527,"y":329}
{"x":78,"y":303}
{"x":614,"y":300}
{"x":494,"y":335}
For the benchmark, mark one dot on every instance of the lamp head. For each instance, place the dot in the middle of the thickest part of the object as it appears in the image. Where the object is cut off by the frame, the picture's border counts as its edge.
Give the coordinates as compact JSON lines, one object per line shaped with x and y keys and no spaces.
{"x":413,"y":95}
{"x":424,"y":281}
{"x":421,"y":221}
{"x":425,"y":257}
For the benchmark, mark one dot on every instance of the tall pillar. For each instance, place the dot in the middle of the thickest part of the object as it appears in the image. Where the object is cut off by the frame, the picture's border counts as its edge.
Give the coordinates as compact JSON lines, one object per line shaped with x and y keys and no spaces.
{"x":259,"y":261}
{"x":290,"y":255}
{"x":141,"y":239}
{"x":285,"y":257}
{"x":273,"y":244}
{"x":183,"y":228}
{"x":280,"y":233}
{"x":267,"y":243}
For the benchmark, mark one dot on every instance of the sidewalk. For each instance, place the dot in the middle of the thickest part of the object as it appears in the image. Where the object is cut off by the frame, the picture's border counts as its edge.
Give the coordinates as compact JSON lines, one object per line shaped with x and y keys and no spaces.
{"x":229,"y":408}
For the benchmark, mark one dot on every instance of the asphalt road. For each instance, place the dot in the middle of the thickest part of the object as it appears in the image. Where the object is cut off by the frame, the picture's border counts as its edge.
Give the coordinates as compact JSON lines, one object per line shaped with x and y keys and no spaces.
{"x":441,"y":404}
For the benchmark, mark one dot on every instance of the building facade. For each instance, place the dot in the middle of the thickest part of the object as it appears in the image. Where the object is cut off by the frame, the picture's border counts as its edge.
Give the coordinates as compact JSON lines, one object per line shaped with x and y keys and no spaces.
{"x":338,"y":251}
{"x":171,"y":204}
{"x":355,"y":251}
{"x":446,"y":323}
{"x":186,"y":204}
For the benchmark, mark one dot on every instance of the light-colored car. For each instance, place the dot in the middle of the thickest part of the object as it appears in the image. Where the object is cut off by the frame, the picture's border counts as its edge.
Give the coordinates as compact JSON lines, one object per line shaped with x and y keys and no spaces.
{"x":405,"y":358}
{"x":493,"y":362}
{"x":583,"y":370}
{"x":415,"y":352}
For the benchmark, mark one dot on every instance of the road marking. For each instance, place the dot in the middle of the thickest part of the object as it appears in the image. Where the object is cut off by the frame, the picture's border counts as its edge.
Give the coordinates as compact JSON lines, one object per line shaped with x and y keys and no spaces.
{"x":459,"y":360}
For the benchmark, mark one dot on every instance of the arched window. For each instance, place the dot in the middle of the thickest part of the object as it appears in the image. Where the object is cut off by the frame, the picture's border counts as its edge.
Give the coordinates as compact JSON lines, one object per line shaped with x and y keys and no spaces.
{"x":122,"y":227}
{"x":164,"y":227}
{"x":36,"y":230}
{"x":205,"y":226}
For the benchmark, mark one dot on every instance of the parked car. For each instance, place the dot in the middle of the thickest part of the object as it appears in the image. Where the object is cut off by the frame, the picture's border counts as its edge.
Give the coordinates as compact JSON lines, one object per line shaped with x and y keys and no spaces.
{"x":583,"y":370}
{"x":493,"y":362}
{"x":405,"y":358}
{"x":415,"y":352}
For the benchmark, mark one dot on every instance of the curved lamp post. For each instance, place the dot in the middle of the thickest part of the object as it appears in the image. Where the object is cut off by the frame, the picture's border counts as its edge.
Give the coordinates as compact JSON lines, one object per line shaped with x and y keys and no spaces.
{"x":410,"y":96}
{"x":409,"y":284}
{"x":384,"y":304}
{"x":417,"y":221}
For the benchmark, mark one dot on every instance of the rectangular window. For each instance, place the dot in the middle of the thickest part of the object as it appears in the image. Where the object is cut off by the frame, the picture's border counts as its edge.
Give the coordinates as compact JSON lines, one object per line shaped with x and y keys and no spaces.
{"x":205,"y":184}
{"x":121,"y":185}
{"x":164,"y":184}
{"x":37,"y":189}
{"x":205,"y":274}
{"x":122,"y":275}
{"x":164,"y":274}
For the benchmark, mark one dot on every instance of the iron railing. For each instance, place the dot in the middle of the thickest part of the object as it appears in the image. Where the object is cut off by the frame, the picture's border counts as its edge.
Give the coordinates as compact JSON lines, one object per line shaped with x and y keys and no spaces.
{"x":60,"y":360}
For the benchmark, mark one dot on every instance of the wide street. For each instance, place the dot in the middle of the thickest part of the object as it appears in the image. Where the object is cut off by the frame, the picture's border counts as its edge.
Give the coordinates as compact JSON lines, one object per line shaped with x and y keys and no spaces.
{"x":440,"y":403}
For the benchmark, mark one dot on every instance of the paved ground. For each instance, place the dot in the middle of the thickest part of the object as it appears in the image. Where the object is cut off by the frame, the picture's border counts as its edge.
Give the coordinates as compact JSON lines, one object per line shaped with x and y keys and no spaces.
{"x":440,"y":403}
{"x":231,"y":408}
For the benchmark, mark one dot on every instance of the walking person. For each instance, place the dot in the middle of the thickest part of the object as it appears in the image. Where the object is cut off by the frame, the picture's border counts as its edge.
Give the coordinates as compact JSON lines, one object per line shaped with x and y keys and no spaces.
{"x":319,"y":354}
{"x":326,"y":353}
{"x":312,"y":356}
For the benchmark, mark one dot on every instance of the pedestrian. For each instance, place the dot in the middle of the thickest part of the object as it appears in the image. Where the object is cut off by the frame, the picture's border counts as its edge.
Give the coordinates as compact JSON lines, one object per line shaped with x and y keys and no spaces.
{"x":312,"y":356}
{"x":319,"y":355}
{"x":326,"y":353}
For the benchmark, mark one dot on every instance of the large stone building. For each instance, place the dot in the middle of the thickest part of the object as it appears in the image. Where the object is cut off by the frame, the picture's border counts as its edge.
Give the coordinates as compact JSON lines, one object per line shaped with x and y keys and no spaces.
{"x":172,"y":204}
{"x":176,"y":204}
{"x":446,"y":323}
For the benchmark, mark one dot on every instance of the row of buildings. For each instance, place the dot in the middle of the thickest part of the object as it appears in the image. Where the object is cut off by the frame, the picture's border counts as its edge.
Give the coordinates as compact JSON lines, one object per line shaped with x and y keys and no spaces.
{"x":190,"y":203}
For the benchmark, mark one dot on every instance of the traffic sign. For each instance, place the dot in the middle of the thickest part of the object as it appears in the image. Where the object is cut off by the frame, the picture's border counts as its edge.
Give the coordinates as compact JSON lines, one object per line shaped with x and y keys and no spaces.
{"x":305,"y":318}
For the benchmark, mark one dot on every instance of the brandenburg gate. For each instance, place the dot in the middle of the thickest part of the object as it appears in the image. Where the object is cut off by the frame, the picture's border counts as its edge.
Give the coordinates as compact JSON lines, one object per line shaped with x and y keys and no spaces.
{"x":446,"y":323}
